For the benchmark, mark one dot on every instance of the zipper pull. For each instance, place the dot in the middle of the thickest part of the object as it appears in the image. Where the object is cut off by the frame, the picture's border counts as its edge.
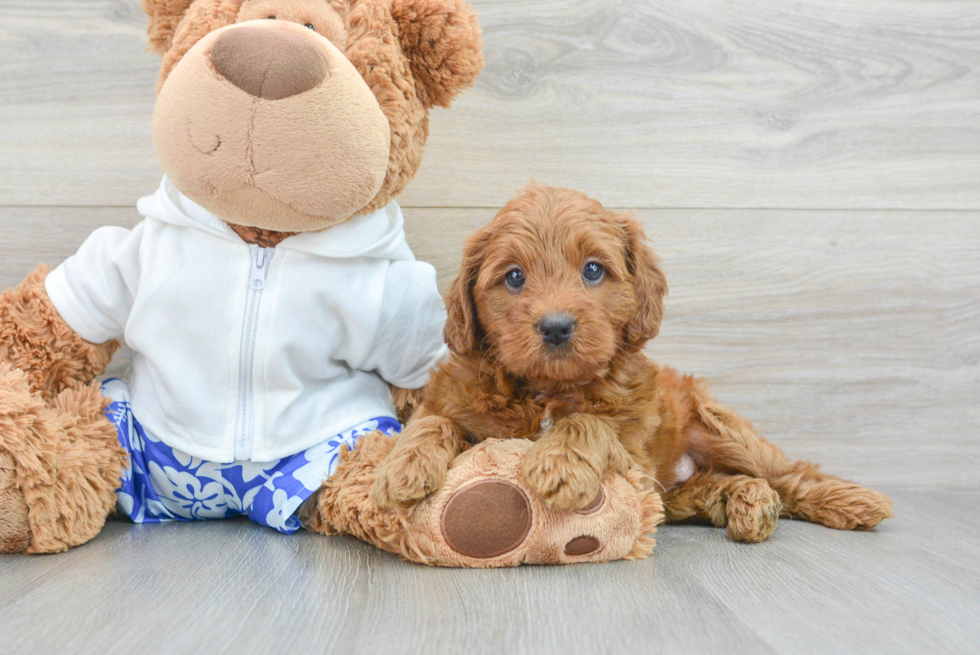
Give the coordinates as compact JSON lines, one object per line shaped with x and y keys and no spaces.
{"x":260,"y":267}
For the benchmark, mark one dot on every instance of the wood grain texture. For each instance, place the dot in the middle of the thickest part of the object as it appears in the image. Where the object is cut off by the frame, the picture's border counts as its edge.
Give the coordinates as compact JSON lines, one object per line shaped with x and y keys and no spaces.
{"x":234,"y":587}
{"x":704,"y":103}
{"x":849,"y":338}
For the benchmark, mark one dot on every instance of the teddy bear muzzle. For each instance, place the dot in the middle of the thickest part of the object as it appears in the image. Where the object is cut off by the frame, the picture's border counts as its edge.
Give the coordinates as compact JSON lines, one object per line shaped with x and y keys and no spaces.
{"x":269,"y":64}
{"x":268,"y":124}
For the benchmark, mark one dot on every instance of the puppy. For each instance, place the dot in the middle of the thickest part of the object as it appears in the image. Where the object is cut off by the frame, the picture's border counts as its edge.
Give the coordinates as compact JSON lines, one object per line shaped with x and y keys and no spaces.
{"x":547,"y":320}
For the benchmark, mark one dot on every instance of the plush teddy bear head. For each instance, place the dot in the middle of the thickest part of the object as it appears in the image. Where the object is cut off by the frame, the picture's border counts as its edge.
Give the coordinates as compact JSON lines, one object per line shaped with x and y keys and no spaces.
{"x":294,"y":115}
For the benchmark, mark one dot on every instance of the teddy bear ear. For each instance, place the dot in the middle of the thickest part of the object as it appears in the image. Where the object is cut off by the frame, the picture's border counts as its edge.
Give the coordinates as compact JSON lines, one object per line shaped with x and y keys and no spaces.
{"x":164,"y":16}
{"x":441,"y":39}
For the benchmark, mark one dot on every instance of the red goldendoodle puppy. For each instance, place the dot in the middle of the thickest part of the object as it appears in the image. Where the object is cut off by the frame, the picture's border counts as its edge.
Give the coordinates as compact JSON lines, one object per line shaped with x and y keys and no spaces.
{"x":547,"y":321}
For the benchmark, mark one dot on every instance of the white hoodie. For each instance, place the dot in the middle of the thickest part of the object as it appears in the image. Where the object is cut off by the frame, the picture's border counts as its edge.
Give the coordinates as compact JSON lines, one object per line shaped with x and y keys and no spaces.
{"x":243,"y":352}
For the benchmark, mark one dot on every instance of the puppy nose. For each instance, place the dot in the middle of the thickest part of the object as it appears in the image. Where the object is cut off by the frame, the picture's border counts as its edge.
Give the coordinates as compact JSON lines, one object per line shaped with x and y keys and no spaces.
{"x":556,"y":329}
{"x":269,"y":63}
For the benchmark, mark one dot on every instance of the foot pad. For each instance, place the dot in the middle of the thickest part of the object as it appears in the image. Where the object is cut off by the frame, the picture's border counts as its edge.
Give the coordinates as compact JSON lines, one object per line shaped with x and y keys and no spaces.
{"x":486,"y":519}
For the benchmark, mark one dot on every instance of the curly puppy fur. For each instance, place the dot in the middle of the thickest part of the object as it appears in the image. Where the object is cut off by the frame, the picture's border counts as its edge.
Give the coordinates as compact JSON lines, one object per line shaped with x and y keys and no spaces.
{"x":595,"y":403}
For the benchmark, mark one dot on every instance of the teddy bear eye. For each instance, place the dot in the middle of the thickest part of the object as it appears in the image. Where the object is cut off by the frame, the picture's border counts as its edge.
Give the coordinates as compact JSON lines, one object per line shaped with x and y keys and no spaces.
{"x":310,"y":25}
{"x":271,"y":18}
{"x":593,"y":272}
{"x":514,"y":278}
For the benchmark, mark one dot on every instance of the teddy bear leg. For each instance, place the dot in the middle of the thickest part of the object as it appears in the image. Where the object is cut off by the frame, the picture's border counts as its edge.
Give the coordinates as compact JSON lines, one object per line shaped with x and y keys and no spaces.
{"x":15,"y":530}
{"x":60,"y":464}
{"x":485,"y":515}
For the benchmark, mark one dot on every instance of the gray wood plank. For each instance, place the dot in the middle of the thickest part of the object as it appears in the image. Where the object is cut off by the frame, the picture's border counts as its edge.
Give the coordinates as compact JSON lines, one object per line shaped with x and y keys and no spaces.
{"x":850,"y":338}
{"x":230,"y":586}
{"x":901,"y":590}
{"x":234,"y":587}
{"x":817,"y":103}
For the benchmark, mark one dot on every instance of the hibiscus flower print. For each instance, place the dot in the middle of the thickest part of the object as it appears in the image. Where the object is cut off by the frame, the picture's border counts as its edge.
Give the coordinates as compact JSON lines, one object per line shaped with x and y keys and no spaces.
{"x":184,"y":495}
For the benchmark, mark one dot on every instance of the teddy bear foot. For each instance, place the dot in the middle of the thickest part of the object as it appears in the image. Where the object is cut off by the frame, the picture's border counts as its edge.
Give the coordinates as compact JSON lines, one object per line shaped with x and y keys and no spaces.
{"x":485,"y":515}
{"x":60,"y":464}
{"x":15,"y":531}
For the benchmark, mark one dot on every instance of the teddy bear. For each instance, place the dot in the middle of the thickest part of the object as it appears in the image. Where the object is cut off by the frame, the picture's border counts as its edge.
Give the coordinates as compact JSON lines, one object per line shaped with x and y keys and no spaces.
{"x":277,"y":316}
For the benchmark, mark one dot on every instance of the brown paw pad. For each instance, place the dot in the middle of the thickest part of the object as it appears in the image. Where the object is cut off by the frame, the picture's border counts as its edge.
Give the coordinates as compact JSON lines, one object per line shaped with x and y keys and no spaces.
{"x":581,"y":546}
{"x":595,"y":505}
{"x":487,"y":519}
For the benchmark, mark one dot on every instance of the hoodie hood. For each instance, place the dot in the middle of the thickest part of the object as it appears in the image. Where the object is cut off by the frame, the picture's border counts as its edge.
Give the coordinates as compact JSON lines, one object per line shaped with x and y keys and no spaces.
{"x":379,"y":235}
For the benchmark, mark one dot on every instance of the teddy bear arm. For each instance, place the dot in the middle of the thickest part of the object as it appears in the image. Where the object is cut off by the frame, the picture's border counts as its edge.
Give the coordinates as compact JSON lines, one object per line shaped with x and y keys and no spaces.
{"x":35,"y":339}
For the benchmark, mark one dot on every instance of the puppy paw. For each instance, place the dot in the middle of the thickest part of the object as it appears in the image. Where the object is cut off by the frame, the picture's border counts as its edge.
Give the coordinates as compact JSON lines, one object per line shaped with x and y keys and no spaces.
{"x":407,"y":477}
{"x":753,"y":510}
{"x":849,"y":506}
{"x":560,"y":477}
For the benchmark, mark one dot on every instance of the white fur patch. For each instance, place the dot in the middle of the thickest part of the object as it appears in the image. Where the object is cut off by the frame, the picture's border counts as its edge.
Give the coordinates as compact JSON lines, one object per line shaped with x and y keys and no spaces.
{"x":684,"y":469}
{"x":545,"y":426}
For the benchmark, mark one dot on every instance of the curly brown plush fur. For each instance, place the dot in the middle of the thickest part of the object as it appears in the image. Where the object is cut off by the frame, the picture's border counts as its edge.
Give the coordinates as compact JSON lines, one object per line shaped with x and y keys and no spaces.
{"x":260,"y":237}
{"x":35,"y":339}
{"x":595,"y":403}
{"x":67,"y":463}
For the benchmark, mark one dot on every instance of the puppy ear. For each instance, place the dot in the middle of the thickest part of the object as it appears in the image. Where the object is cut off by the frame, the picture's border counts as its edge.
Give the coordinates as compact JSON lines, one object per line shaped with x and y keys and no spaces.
{"x":164,"y":16}
{"x":649,"y":284}
{"x":463,"y":332}
{"x":442,"y":40}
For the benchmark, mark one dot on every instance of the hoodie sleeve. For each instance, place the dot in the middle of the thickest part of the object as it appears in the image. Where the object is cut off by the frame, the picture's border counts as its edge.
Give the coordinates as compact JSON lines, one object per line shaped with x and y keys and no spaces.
{"x":409,"y":339}
{"x":93,"y":289}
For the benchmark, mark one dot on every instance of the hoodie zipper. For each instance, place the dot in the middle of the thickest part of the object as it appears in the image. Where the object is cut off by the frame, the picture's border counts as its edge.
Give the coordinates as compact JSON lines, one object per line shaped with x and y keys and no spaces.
{"x":245,"y":432}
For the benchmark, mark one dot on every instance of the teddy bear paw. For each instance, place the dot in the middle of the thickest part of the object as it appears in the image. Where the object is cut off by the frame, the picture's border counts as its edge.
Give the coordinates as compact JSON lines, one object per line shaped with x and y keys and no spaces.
{"x":486,"y":515}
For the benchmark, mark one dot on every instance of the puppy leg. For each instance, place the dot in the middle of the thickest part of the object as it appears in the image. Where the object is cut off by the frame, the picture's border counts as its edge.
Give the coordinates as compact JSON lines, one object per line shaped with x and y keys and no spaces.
{"x":723,"y":440}
{"x":748,"y":507}
{"x":417,"y":465}
{"x":564,"y":466}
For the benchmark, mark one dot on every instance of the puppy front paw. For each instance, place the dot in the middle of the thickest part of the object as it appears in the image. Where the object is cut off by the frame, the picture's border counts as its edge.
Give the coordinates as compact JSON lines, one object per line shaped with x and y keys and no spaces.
{"x":406,"y":478}
{"x":561,"y":477}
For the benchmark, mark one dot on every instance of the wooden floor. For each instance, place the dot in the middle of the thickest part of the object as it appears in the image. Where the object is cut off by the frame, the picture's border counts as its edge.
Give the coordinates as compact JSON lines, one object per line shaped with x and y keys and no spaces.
{"x":810,"y":174}
{"x":912,"y":586}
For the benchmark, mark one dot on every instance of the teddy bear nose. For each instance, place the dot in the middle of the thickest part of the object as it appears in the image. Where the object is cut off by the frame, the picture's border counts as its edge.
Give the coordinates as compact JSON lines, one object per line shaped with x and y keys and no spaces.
{"x":269,"y":63}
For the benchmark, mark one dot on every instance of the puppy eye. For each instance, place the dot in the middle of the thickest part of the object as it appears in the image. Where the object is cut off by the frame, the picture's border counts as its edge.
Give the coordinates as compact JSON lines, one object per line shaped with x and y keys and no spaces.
{"x":310,"y":25}
{"x":514,"y":278}
{"x":593,"y":272}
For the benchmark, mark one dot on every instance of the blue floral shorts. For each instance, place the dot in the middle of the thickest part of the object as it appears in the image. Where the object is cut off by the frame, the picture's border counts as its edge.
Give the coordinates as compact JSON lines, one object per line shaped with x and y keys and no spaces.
{"x":165,"y":484}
